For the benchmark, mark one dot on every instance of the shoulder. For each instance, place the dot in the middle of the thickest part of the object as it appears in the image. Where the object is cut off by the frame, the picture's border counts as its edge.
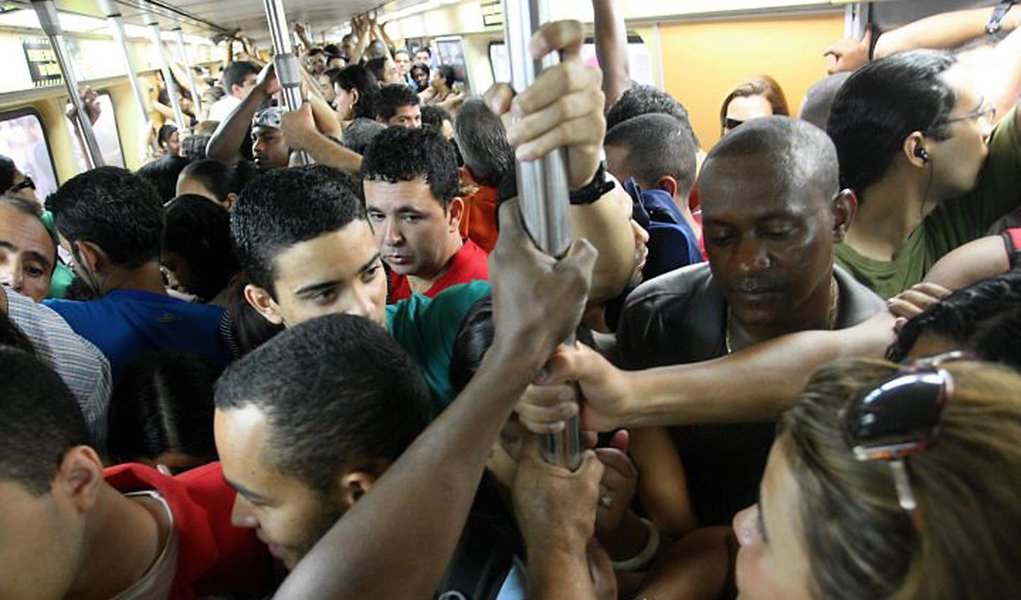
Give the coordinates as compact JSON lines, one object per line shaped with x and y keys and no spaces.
{"x":857,"y":302}
{"x":681,"y":284}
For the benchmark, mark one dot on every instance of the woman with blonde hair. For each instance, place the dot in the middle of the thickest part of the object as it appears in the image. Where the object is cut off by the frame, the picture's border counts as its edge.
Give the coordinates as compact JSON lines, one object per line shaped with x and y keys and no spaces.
{"x":891,"y":481}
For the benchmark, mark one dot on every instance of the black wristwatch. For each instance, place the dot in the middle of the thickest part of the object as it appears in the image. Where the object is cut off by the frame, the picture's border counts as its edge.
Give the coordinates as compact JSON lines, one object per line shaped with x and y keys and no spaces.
{"x":999,"y":12}
{"x":593,"y":190}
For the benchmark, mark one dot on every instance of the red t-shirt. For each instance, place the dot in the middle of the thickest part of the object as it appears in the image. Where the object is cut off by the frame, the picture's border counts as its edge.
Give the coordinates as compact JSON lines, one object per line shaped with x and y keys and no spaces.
{"x":213,"y":555}
{"x":471,"y":263}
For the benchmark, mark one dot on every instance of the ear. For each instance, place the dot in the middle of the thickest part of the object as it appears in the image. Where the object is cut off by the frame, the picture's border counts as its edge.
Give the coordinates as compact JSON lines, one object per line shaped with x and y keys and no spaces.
{"x":667,"y":184}
{"x":229,"y":203}
{"x":358,"y":480}
{"x":455,"y":210}
{"x":355,"y":96}
{"x":912,"y":147}
{"x":80,"y":476}
{"x":263,"y":303}
{"x":93,"y":256}
{"x":845,"y":206}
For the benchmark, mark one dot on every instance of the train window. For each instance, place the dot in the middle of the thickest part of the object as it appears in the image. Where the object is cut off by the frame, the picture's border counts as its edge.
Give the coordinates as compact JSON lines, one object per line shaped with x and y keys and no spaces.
{"x":639,"y":60}
{"x":23,"y":140}
{"x":106,"y":132}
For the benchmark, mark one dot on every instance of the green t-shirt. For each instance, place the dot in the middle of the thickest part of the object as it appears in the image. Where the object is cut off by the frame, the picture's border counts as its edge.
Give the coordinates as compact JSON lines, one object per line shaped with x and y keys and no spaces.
{"x":952,"y":223}
{"x":62,"y":274}
{"x":427,"y":327}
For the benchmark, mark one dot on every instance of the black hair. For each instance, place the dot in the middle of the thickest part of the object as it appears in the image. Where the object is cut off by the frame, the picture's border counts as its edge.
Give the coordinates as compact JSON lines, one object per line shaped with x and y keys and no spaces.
{"x":193,"y":147}
{"x":435,"y":116}
{"x":333,"y":390}
{"x":332,"y":49}
{"x":163,"y":403}
{"x":645,"y":99}
{"x":285,"y":207}
{"x":482,"y":140}
{"x":198,"y":230}
{"x":377,"y":66}
{"x":39,"y":419}
{"x":165,"y":132}
{"x":801,"y":155}
{"x":403,"y":154}
{"x":163,"y":173}
{"x":448,"y":74}
{"x":425,"y":49}
{"x":419,"y":69}
{"x":357,"y":77}
{"x":7,"y":169}
{"x":236,"y":72}
{"x":315,"y":50}
{"x":958,"y":316}
{"x":392,"y":97}
{"x":819,"y":99}
{"x":657,"y":145}
{"x":474,"y":337}
{"x":216,"y":176}
{"x":114,"y":209}
{"x":881,"y":104}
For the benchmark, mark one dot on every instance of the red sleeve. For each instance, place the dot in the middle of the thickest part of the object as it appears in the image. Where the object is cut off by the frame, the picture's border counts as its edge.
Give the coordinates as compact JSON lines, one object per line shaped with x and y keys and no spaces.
{"x":214,"y":556}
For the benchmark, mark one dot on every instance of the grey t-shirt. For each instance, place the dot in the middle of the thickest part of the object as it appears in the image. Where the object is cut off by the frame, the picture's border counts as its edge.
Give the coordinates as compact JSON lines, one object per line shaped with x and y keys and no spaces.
{"x":680,"y":317}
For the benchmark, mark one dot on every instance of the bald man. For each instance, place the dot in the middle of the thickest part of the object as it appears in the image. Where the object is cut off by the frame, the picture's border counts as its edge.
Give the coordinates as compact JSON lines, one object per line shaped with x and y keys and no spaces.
{"x":772,"y":213}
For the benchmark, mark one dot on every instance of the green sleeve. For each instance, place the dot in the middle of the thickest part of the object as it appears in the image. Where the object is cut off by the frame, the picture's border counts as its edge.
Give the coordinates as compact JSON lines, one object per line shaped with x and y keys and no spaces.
{"x":426,"y":329}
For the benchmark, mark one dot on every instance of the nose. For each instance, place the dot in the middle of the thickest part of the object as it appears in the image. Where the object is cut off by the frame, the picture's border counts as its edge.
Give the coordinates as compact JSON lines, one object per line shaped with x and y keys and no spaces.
{"x":392,"y":233}
{"x":641,"y":235}
{"x":241,"y":515}
{"x":361,"y":302}
{"x":744,"y":525}
{"x":752,"y":256}
{"x":16,"y":277}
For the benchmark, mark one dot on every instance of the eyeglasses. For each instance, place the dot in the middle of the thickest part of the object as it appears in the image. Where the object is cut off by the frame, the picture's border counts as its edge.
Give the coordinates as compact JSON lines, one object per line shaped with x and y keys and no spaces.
{"x":984,"y":110}
{"x":729,"y":123}
{"x":24,"y":183}
{"x":900,"y":417}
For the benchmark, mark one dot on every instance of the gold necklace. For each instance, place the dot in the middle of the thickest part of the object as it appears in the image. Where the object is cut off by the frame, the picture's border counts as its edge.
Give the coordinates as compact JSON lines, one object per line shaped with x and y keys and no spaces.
{"x":831,"y":313}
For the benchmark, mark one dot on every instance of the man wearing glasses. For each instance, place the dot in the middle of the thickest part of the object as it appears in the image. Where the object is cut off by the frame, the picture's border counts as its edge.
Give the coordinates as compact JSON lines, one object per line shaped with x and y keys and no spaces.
{"x":918,"y":146}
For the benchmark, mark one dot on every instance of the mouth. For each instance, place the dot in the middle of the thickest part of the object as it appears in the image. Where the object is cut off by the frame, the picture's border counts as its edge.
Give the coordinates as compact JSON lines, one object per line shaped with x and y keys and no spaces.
{"x":398,"y":259}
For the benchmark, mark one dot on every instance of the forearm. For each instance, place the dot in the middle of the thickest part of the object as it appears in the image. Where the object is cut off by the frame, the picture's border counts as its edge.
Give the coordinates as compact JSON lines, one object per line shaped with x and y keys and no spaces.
{"x":325,"y":117}
{"x":755,"y":384}
{"x":605,"y":225}
{"x":611,"y":48}
{"x":556,"y":574}
{"x":327,"y":152}
{"x":231,"y":132}
{"x":939,"y":32}
{"x":411,"y":520}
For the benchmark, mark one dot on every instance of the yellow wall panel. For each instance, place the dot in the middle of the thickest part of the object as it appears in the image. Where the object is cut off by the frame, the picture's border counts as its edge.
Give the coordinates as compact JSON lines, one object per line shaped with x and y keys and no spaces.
{"x":704,"y":60}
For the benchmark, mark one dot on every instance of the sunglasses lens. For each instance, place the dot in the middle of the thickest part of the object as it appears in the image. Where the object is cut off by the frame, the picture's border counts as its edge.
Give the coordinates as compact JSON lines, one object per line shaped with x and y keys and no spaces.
{"x":898,"y":417}
{"x":733,"y":123}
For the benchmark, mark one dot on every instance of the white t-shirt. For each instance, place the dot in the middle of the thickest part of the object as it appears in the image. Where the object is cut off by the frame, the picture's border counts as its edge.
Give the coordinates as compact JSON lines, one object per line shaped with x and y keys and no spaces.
{"x":222,"y":108}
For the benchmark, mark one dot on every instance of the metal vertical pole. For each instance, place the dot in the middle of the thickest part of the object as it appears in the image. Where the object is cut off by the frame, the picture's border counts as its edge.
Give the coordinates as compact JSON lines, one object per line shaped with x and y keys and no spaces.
{"x":168,"y":76}
{"x":50,"y":22}
{"x":195,"y":99}
{"x":116,"y":22}
{"x":288,"y":69}
{"x":542,"y":185}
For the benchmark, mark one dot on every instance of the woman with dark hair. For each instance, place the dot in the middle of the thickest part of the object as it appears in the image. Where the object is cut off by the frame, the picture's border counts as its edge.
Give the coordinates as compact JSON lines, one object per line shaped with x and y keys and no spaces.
{"x":15,"y":183}
{"x":443,"y":90}
{"x":356,"y":90}
{"x":760,"y":96}
{"x":420,"y":76}
{"x":196,"y":252}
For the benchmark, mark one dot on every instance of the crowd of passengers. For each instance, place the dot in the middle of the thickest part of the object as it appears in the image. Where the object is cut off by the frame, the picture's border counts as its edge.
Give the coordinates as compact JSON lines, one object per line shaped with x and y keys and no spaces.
{"x":796,"y":369}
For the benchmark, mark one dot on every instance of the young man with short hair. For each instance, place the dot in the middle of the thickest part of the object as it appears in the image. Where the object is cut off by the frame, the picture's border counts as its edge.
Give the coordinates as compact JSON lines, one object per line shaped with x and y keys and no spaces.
{"x":112,"y":222}
{"x":398,"y":105}
{"x":73,"y":530}
{"x":238,"y":81}
{"x":412,"y":197}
